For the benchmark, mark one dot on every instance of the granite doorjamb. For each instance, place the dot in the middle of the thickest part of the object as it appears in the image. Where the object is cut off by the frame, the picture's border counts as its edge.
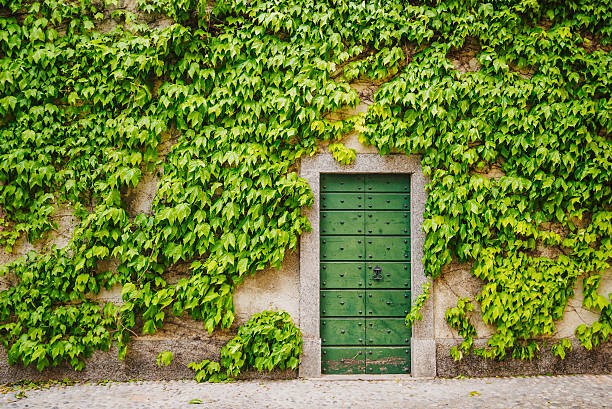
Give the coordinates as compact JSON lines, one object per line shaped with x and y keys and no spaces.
{"x":423,"y":346}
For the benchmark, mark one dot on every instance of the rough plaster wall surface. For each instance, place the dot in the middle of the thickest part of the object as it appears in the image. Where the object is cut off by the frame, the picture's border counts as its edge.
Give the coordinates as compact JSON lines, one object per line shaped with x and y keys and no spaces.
{"x":59,"y":238}
{"x":455,"y":282}
{"x":131,"y":6}
{"x":139,"y":363}
{"x":270,"y":290}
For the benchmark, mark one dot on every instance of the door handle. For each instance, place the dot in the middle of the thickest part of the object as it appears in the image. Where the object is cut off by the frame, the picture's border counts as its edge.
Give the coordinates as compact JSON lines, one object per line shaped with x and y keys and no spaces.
{"x":377,"y":274}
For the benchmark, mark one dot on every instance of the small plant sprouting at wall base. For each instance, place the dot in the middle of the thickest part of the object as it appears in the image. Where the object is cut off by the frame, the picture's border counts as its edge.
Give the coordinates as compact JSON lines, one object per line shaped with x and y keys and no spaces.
{"x":267,"y":341}
{"x":164,"y":358}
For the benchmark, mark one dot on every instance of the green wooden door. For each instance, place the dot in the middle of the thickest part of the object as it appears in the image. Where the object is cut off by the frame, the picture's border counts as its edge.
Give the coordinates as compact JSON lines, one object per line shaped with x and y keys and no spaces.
{"x":365,"y":273}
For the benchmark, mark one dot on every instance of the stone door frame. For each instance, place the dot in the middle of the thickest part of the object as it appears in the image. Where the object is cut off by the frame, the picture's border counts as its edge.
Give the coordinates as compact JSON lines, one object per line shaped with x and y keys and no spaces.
{"x":422,"y":343}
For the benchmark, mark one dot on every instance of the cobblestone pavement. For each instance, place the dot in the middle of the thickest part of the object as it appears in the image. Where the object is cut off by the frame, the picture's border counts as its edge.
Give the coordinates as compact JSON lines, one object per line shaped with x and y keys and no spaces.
{"x":519,"y":392}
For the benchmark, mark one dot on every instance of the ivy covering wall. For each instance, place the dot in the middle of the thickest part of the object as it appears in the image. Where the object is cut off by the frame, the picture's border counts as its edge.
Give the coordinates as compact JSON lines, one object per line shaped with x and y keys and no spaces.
{"x":242,"y":89}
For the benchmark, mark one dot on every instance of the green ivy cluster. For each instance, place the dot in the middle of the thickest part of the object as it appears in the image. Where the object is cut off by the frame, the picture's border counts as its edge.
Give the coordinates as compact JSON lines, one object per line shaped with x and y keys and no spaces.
{"x":269,"y":340}
{"x":241,"y":90}
{"x":518,"y":165}
{"x":458,"y":318}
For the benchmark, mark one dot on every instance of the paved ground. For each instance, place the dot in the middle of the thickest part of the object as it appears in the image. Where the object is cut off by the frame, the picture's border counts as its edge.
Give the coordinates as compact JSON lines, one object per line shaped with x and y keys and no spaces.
{"x":528,"y":392}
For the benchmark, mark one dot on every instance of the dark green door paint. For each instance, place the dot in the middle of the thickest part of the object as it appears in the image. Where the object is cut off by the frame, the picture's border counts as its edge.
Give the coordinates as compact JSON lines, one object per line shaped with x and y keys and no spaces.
{"x":389,"y":201}
{"x":385,"y":183}
{"x":342,"y":303}
{"x":342,"y":248}
{"x":342,"y":183}
{"x":387,"y":303}
{"x":388,"y":223}
{"x":393,"y":275}
{"x":386,"y":331}
{"x":365,"y":273}
{"x":342,"y":222}
{"x":342,"y":275}
{"x":343,"y":331}
{"x":387,"y":360}
{"x":343,"y":360}
{"x":388,"y":248}
{"x":342,"y":201}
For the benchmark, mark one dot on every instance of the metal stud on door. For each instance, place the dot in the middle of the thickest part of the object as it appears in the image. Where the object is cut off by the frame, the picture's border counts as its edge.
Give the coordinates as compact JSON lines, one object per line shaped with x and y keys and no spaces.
{"x":365,"y":273}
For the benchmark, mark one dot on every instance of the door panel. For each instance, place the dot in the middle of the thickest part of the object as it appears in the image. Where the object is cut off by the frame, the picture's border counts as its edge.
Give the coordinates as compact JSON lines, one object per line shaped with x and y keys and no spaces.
{"x":342,"y":331}
{"x":342,"y":303}
{"x":342,"y":360}
{"x":392,"y":275}
{"x":387,"y":183}
{"x":387,"y":248}
{"x":388,"y":223}
{"x":342,"y":201}
{"x":342,"y":248}
{"x":342,"y":275}
{"x":387,"y":360}
{"x":342,"y":222}
{"x":387,"y":303}
{"x":387,"y":331}
{"x":341,"y":183}
{"x":387,"y":201}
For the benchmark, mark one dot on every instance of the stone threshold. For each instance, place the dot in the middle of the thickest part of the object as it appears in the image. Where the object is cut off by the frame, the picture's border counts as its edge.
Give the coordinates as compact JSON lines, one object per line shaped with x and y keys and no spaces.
{"x":368,"y":377}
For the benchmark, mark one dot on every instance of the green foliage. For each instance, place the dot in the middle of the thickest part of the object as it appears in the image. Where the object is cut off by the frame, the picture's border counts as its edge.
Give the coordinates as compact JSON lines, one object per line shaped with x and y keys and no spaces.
{"x":519,"y":163}
{"x":267,"y":341}
{"x":561,"y":348}
{"x":415,"y":311}
{"x":342,"y":154}
{"x":240,"y":92}
{"x":164,"y":358}
{"x":458,"y":319}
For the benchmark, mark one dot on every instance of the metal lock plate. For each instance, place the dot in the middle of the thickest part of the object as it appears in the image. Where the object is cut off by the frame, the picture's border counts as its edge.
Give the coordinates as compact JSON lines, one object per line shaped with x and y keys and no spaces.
{"x":394,"y":275}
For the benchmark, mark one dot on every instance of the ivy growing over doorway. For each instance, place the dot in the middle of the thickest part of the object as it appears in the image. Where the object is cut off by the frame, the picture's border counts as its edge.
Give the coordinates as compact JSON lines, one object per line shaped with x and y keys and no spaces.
{"x":519,"y":154}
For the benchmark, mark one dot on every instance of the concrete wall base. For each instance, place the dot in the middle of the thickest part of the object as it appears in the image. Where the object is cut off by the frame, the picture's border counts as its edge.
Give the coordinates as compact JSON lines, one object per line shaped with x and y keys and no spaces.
{"x":139,"y":364}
